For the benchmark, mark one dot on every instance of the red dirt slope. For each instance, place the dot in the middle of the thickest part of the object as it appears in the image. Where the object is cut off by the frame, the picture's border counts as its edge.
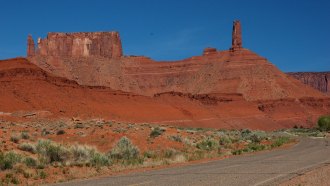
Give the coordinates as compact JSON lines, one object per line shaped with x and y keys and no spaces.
{"x":25,"y":87}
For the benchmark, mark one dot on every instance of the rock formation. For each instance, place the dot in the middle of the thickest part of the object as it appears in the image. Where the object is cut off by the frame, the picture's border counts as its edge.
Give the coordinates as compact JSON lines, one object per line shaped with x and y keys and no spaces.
{"x":25,"y":88}
{"x":83,"y":44}
{"x":236,"y":36}
{"x":209,"y":51}
{"x":96,"y":59}
{"x":30,"y":47}
{"x":317,"y":80}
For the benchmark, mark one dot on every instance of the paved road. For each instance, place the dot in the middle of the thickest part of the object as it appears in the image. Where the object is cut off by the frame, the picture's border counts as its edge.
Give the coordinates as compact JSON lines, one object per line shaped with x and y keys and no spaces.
{"x":265,"y":168}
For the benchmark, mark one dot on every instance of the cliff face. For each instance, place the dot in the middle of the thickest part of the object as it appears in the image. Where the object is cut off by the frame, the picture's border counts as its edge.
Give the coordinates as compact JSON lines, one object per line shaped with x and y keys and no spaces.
{"x":317,"y":80}
{"x":96,"y":59}
{"x":84,"y":44}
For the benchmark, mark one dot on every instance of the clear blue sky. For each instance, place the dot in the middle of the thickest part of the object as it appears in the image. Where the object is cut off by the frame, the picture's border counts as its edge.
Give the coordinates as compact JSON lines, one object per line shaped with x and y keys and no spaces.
{"x":292,"y":34}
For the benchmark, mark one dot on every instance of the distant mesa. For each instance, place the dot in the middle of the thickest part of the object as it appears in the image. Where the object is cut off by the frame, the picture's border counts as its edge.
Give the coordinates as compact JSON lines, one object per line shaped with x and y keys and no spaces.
{"x":96,"y":59}
{"x":317,"y":80}
{"x":82,"y":44}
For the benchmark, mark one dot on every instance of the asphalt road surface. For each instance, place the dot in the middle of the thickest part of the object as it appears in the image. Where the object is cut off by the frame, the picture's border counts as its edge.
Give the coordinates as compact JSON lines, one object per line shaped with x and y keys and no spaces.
{"x":264,"y":168}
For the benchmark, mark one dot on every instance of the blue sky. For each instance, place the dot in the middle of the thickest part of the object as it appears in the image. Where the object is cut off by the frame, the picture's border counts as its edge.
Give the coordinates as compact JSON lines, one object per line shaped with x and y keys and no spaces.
{"x":292,"y":34}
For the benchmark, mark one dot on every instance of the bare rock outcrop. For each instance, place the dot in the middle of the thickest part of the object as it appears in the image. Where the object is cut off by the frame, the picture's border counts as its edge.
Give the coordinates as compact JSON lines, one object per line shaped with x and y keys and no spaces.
{"x":81,"y":44}
{"x":30,"y":47}
{"x":209,"y":51}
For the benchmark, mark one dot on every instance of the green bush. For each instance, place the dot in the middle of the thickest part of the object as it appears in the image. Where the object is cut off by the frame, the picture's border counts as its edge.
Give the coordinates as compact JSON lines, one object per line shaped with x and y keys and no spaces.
{"x":99,"y":160}
{"x":225,"y":140}
{"x":208,"y":144}
{"x":124,"y":150}
{"x":52,"y":152}
{"x":25,"y":135}
{"x":156,"y":132}
{"x":245,"y":133}
{"x":8,"y":160}
{"x":254,"y":136}
{"x":27,"y":147}
{"x":30,"y":162}
{"x":176,"y":138}
{"x":11,"y":178}
{"x":324,"y":123}
{"x":15,"y":138}
{"x":170,"y":153}
{"x":82,"y":154}
{"x":256,"y":147}
{"x":149,"y":154}
{"x":237,"y":152}
{"x":280,"y":141}
{"x":42,"y":175}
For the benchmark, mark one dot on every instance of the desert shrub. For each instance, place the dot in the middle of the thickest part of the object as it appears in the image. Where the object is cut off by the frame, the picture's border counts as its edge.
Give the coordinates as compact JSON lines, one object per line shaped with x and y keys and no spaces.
{"x":156,"y":132}
{"x":195,"y":155}
{"x":27,"y":174}
{"x":42,"y":174}
{"x":60,"y":132}
{"x":237,"y":152}
{"x":51,"y":151}
{"x":149,"y":154}
{"x":245,"y":133}
{"x":8,"y":160}
{"x":15,"y":138}
{"x":170,"y":153}
{"x":42,"y":162}
{"x":256,"y":147}
{"x":254,"y":136}
{"x":27,"y":147}
{"x":99,"y":160}
{"x":124,"y":150}
{"x":11,"y":178}
{"x":79,"y":126}
{"x":207,"y":144}
{"x":30,"y":162}
{"x":324,"y":123}
{"x":176,"y":138}
{"x":280,"y":141}
{"x":44,"y":132}
{"x":82,"y":154}
{"x":225,"y":140}
{"x":25,"y":135}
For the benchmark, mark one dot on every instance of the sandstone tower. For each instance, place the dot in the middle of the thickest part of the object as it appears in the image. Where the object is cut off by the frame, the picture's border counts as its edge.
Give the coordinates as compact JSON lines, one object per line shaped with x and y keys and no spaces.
{"x":30,"y":47}
{"x":236,"y":36}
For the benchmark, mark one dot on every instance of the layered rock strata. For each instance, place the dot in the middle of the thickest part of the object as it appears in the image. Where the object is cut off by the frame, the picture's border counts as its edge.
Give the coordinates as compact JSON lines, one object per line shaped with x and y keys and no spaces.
{"x":96,"y":59}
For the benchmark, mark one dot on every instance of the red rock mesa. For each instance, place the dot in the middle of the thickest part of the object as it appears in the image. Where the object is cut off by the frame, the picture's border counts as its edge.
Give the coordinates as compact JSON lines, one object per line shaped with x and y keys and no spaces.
{"x":232,"y":88}
{"x":96,"y":59}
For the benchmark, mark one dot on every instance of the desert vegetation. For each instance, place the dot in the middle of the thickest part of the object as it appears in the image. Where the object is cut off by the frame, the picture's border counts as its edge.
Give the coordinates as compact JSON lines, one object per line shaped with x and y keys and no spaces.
{"x":64,"y":150}
{"x":324,"y":123}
